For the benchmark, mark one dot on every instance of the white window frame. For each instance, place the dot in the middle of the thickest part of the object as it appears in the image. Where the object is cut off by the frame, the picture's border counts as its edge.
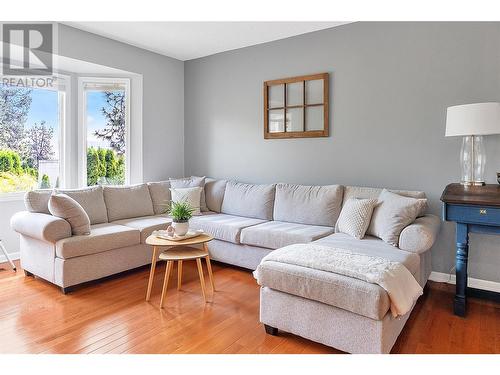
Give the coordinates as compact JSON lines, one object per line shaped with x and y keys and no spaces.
{"x":64,"y":97}
{"x":82,"y":125}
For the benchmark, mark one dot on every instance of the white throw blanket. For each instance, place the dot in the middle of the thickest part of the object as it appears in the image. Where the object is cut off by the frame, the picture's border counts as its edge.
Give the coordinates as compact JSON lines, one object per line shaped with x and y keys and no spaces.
{"x":394,"y":277}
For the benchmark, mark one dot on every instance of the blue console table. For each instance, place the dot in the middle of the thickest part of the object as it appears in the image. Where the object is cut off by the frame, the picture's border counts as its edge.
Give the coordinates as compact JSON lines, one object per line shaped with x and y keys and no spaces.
{"x":474,"y":209}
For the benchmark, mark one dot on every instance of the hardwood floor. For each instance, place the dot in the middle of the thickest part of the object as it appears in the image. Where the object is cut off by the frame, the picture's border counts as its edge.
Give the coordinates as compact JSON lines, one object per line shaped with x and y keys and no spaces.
{"x":112,"y":317}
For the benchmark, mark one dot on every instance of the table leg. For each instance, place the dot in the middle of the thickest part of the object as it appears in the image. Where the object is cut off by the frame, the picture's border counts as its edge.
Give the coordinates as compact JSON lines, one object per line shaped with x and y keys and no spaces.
{"x":210,"y":276}
{"x":179,"y":274}
{"x":168,"y":269}
{"x":202,"y":279}
{"x":154,"y":259}
{"x":209,"y":266}
{"x":462,"y":237}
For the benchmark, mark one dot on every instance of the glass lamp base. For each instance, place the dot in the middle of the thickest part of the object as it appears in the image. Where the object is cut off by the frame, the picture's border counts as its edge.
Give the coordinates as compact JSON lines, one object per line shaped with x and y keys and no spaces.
{"x":473,"y":160}
{"x":472,"y":183}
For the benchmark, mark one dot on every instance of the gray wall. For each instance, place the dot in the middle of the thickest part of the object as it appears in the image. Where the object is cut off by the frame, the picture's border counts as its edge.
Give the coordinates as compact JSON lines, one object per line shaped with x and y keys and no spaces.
{"x":390,"y":86}
{"x":163,"y":95}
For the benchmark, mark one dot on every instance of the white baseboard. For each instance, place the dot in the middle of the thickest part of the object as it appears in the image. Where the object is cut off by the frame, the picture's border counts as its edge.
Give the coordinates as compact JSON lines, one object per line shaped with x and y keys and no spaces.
{"x":13,"y":256}
{"x":473,"y":283}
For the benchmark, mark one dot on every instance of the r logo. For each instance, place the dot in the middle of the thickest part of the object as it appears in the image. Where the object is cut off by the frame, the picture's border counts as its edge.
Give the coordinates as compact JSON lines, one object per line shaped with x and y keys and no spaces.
{"x":27,"y":49}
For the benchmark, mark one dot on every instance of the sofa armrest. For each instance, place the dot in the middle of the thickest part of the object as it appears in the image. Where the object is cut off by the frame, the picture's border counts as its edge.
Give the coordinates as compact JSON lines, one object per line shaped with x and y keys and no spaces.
{"x":419,"y":236}
{"x":40,"y":226}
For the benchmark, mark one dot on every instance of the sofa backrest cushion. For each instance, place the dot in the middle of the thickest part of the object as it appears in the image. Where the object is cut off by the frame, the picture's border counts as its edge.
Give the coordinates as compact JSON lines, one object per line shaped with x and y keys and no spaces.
{"x":249,"y":200}
{"x":361,"y":192}
{"x":160,"y":196}
{"x":37,"y":201}
{"x":92,"y":201}
{"x":123,"y":202}
{"x":314,"y":205}
{"x":214,"y":193}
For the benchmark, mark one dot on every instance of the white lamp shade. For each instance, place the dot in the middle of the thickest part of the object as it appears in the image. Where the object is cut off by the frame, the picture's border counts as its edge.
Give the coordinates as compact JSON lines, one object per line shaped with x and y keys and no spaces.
{"x":473,"y":119}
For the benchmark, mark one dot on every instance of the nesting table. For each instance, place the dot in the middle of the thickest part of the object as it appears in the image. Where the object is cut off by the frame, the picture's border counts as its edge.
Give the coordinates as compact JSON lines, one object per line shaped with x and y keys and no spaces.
{"x":179,"y":251}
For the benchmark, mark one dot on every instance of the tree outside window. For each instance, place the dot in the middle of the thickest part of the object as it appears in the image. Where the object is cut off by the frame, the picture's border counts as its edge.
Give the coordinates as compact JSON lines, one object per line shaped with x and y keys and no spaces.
{"x":29,"y":139}
{"x":106,"y":137}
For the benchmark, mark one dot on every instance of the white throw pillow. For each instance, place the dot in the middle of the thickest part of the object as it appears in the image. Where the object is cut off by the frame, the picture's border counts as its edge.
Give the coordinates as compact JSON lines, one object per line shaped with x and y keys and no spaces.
{"x":192,"y":181}
{"x":65,"y":207}
{"x":191,"y":195}
{"x":355,"y":217}
{"x":392,"y":214}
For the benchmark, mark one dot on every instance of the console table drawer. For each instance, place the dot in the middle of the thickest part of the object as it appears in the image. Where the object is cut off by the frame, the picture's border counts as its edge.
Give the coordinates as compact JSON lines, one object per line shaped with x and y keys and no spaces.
{"x":473,"y":214}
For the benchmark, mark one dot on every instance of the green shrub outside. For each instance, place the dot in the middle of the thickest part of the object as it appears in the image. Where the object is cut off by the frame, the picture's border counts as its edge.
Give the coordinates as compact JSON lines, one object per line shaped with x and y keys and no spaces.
{"x":10,"y":161}
{"x":105,"y":167}
{"x":45,"y":183}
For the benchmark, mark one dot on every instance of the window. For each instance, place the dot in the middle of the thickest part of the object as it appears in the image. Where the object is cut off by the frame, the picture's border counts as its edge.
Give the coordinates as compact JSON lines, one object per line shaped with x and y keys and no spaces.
{"x":104,"y":131}
{"x":31,"y":126}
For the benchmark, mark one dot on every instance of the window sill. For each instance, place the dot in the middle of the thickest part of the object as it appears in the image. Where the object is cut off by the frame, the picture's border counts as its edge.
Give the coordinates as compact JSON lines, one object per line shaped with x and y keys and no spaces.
{"x":12,"y":197}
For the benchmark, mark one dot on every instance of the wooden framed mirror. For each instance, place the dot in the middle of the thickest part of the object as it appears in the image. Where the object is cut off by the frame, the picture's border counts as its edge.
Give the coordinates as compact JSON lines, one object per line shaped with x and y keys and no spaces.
{"x":296,"y":107}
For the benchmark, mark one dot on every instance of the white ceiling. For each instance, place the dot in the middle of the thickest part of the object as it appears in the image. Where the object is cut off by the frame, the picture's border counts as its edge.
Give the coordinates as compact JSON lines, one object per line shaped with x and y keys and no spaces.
{"x":190,"y":40}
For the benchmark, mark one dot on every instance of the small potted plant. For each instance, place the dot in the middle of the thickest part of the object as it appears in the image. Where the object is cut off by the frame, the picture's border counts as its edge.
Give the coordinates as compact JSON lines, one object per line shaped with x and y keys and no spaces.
{"x":181,"y":212}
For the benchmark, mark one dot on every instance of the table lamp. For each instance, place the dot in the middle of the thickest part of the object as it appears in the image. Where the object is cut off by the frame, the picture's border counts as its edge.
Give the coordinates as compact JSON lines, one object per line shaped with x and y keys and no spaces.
{"x":472,"y":121}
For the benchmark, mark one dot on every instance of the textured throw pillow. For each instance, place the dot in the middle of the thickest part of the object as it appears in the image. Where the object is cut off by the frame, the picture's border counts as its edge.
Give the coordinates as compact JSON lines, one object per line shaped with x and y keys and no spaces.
{"x":355,"y":217}
{"x":190,"y":195}
{"x":189,"y":182}
{"x":392,"y":214}
{"x":67,"y":208}
{"x":37,"y":201}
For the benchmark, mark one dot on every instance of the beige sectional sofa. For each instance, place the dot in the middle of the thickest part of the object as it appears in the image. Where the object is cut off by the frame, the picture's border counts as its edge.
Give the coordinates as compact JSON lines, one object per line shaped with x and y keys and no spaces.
{"x":248,"y":221}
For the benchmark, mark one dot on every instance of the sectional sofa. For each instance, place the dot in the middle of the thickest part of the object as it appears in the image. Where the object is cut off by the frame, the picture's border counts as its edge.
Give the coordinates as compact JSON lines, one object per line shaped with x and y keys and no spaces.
{"x":248,"y":221}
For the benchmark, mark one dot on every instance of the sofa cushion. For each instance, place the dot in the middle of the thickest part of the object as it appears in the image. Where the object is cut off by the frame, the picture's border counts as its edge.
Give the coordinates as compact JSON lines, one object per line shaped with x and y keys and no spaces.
{"x":160,"y":196}
{"x":37,"y":201}
{"x":249,"y":200}
{"x":92,"y":201}
{"x":333,"y":289}
{"x":123,"y":202}
{"x":373,"y":193}
{"x":276,"y":234}
{"x":344,"y":292}
{"x":214,"y":193}
{"x":146,"y":225}
{"x":67,"y":208}
{"x":373,"y":246}
{"x":223,"y":227}
{"x":314,"y":205}
{"x":102,"y":237}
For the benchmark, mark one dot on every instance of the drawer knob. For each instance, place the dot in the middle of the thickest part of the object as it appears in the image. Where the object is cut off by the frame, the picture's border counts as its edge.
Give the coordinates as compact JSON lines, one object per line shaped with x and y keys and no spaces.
{"x":482,"y":211}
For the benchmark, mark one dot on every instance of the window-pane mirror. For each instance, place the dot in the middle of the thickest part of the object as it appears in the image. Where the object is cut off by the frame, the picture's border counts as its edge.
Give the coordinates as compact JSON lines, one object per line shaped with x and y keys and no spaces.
{"x":295,"y":93}
{"x":276,"y":123}
{"x":295,"y":120}
{"x":276,"y":96}
{"x":296,"y":107}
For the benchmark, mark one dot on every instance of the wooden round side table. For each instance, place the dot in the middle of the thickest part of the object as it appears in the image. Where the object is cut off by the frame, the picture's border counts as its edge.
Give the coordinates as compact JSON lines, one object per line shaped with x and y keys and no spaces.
{"x":179,"y":251}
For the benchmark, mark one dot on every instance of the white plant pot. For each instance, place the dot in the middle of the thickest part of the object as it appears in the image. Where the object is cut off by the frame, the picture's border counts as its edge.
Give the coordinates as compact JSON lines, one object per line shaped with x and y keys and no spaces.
{"x":180,"y":228}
